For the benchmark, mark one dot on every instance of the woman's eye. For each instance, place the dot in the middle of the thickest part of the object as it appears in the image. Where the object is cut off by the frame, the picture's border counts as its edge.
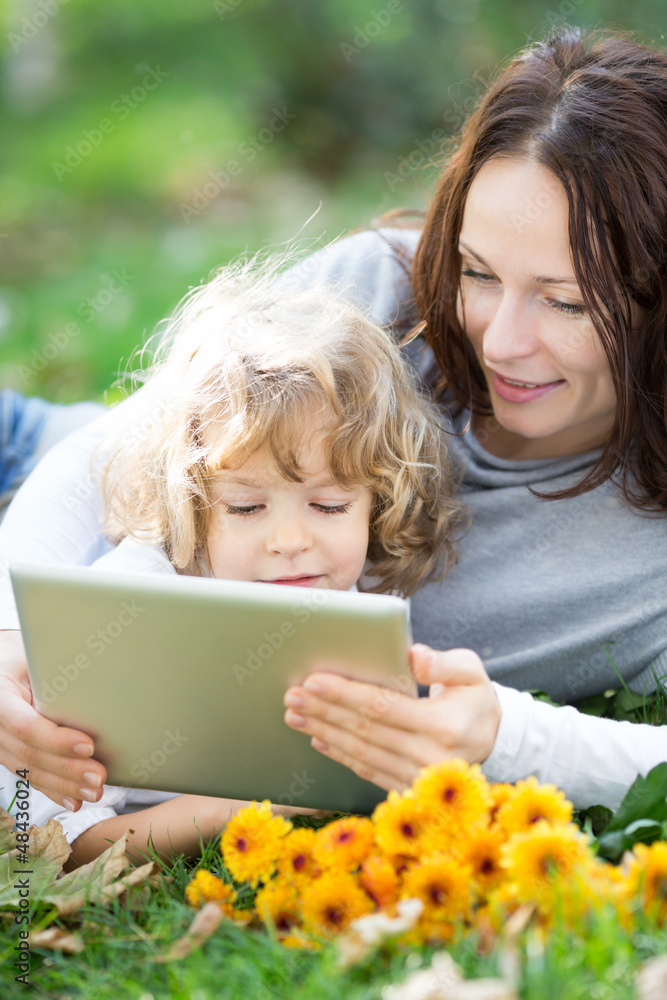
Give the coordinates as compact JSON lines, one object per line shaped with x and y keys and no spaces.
{"x":341,"y":508}
{"x":480,"y":276}
{"x":238,"y":509}
{"x":569,"y":308}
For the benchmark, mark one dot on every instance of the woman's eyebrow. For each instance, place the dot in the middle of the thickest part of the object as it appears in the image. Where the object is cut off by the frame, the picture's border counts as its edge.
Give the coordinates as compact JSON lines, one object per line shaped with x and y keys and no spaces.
{"x":538,"y":279}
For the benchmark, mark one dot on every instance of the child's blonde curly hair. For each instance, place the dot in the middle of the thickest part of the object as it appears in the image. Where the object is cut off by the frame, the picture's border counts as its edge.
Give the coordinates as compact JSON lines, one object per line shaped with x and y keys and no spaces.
{"x":250,"y":362}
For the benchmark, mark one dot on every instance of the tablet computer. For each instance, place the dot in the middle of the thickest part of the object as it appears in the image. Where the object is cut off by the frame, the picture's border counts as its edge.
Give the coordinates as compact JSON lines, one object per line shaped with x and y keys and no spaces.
{"x":180,"y":680}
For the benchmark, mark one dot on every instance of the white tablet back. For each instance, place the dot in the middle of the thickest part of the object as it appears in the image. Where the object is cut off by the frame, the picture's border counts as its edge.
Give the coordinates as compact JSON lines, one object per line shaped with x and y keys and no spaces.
{"x":180,"y":680}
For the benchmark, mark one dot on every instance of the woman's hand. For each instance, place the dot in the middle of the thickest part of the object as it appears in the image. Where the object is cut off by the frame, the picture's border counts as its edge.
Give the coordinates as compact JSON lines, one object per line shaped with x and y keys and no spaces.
{"x":58,"y":757}
{"x":387,"y":737}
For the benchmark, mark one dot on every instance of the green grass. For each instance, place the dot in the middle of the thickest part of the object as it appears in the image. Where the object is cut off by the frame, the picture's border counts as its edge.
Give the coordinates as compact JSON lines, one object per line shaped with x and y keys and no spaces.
{"x":123,"y":943}
{"x":124,"y":939}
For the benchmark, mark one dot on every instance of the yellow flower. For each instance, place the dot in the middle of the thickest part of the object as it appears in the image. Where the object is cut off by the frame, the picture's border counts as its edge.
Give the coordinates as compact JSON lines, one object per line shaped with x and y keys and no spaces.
{"x":541,"y":861}
{"x":531,"y":802}
{"x":332,"y":902}
{"x":443,"y":884}
{"x":500,"y":794}
{"x":482,"y":851}
{"x":647,"y":878}
{"x":278,"y":904}
{"x":456,"y":797}
{"x":379,"y":879}
{"x":297,"y":940}
{"x":344,"y":843}
{"x":401,"y":825}
{"x":206,"y":887}
{"x":296,"y":861}
{"x":252,"y":842}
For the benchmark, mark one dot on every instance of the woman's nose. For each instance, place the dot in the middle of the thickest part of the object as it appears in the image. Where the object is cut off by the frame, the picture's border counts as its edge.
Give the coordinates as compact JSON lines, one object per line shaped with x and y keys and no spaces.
{"x":289,"y":535}
{"x":510,"y":332}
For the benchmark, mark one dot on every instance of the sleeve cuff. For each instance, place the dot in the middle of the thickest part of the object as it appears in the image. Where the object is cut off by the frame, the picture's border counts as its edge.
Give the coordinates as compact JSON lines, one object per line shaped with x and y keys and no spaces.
{"x":515,"y":708}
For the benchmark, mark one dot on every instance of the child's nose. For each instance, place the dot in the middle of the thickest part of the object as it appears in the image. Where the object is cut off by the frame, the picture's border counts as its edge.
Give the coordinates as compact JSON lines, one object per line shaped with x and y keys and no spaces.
{"x":289,"y":536}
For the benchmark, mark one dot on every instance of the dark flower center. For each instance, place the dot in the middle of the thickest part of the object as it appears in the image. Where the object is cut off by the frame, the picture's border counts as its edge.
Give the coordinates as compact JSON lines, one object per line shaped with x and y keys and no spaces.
{"x":407,"y":829}
{"x":241,"y":844}
{"x":437,"y":894}
{"x":298,"y":862}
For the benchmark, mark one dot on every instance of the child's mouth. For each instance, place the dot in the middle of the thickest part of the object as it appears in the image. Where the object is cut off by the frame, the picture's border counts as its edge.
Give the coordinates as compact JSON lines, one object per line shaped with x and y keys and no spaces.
{"x":295,"y":581}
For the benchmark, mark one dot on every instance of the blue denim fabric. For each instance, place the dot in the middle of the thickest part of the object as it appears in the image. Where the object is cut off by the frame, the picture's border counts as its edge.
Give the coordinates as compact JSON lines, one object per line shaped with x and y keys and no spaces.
{"x":22,"y":421}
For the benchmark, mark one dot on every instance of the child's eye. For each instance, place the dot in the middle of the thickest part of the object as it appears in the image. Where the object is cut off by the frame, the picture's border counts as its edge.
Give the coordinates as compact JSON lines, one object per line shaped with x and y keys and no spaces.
{"x":237,"y":509}
{"x":341,"y":508}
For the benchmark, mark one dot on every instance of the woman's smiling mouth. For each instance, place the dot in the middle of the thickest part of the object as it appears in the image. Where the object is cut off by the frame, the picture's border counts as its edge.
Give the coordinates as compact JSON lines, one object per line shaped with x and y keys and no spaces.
{"x":514,"y":391}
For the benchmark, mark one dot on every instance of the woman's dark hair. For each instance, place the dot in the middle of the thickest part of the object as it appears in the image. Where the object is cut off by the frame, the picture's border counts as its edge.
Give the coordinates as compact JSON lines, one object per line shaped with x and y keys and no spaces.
{"x":593,"y":110}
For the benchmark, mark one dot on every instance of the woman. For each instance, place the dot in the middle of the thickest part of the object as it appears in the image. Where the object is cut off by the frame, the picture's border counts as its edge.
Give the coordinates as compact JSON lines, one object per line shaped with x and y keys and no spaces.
{"x":538,"y":282}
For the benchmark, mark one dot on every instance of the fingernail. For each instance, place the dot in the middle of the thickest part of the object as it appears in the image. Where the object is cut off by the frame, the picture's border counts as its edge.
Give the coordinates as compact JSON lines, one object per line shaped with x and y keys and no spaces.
{"x":92,"y":779}
{"x":295,"y":719}
{"x":69,"y":804}
{"x":88,"y":794}
{"x":294,"y":700}
{"x":83,"y":750}
{"x":319,"y":744}
{"x":313,"y":686}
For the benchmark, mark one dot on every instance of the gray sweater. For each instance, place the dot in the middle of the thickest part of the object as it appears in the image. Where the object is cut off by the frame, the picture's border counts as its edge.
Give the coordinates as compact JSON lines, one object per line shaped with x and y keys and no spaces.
{"x":543,"y":590}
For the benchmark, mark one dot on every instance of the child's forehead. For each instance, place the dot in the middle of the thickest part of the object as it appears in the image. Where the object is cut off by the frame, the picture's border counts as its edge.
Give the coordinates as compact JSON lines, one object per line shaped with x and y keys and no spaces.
{"x":260,"y":467}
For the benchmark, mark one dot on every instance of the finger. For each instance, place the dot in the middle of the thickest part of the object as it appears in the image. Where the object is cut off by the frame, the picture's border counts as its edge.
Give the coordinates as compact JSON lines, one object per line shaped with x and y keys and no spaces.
{"x":452,"y":668}
{"x":372,"y":771}
{"x":372,"y":747}
{"x":326,"y":692}
{"x":23,"y":724}
{"x":57,"y":776}
{"x":306,"y":713}
{"x":66,"y":794}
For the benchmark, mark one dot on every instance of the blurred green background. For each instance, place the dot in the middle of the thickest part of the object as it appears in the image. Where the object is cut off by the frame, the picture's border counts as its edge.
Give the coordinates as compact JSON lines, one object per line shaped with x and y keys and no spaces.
{"x":145,"y":142}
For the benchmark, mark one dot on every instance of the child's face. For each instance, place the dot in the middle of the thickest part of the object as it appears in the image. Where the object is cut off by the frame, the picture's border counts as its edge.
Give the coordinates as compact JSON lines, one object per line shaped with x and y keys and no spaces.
{"x":270,"y":530}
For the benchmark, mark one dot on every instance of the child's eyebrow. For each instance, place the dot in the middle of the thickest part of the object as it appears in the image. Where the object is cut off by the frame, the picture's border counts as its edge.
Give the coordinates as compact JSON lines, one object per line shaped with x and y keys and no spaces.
{"x":232,"y":481}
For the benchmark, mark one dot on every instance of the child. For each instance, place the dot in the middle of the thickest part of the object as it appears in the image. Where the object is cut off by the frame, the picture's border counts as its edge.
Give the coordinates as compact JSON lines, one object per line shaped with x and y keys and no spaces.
{"x":284,"y":440}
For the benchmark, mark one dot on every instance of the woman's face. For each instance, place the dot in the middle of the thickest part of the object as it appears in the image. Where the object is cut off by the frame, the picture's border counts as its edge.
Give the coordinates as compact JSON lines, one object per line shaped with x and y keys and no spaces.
{"x":549,"y":380}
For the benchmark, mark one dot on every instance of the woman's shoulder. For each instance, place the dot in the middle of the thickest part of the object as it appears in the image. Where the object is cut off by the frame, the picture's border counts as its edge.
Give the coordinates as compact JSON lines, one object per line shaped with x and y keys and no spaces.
{"x":371,"y":268}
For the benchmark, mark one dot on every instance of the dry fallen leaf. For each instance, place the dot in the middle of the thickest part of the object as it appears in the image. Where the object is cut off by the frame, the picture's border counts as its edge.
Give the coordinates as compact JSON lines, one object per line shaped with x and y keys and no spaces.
{"x":48,"y":841}
{"x":368,"y":932}
{"x":652,"y":979}
{"x":427,"y":984}
{"x":443,"y":981}
{"x":202,"y":927}
{"x":509,"y":957}
{"x":482,"y":989}
{"x":96,"y":882}
{"x":56,"y":939}
{"x":7,"y":838}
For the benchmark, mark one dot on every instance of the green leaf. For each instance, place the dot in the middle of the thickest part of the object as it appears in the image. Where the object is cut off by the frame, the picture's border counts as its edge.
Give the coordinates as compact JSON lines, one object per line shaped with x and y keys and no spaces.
{"x":645,"y":831}
{"x":645,"y":799}
{"x":600,"y":818}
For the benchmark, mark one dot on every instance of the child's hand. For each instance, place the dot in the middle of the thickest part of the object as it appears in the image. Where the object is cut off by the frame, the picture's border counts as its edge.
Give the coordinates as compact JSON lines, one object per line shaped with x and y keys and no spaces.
{"x":386,"y":737}
{"x":58,"y":757}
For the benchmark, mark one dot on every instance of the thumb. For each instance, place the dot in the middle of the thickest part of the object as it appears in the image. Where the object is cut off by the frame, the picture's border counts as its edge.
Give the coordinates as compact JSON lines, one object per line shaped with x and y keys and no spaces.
{"x":452,"y":668}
